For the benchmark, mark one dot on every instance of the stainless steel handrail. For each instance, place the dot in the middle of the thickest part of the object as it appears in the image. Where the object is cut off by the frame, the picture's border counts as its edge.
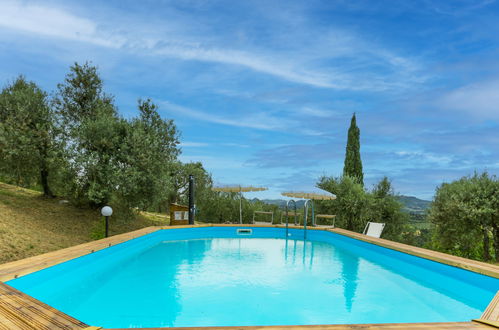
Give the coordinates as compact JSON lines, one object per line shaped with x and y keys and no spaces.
{"x":305,"y":214}
{"x":287,"y":217}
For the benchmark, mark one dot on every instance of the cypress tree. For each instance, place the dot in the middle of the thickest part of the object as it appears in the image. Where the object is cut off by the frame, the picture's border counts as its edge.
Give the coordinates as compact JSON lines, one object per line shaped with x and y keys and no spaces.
{"x":353,"y":163}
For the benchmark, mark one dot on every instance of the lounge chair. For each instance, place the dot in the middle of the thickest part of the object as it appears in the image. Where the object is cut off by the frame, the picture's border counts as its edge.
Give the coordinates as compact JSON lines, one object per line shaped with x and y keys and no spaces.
{"x":260,"y":222}
{"x":325,"y":216}
{"x":374,"y":229}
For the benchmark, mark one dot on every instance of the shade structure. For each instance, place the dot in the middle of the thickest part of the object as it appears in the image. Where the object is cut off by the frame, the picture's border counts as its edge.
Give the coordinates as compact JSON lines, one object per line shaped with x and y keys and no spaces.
{"x":238,"y":189}
{"x":323,"y":195}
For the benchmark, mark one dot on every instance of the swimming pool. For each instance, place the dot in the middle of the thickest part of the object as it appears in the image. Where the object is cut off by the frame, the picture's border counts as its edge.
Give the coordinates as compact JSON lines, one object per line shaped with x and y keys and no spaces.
{"x":213,"y":276}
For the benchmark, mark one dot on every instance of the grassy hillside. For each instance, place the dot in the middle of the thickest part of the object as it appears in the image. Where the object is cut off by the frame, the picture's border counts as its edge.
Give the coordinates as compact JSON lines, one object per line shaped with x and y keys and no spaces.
{"x":31,"y":224}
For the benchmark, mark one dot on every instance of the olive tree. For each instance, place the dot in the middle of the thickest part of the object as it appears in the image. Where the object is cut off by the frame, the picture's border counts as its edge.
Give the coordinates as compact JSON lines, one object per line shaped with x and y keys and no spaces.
{"x":465,"y":213}
{"x":27,"y":144}
{"x":351,"y":203}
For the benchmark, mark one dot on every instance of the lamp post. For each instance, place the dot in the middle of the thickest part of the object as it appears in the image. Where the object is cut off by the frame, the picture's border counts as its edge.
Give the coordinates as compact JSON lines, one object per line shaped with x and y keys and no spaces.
{"x":107,"y":211}
{"x":192,"y":205}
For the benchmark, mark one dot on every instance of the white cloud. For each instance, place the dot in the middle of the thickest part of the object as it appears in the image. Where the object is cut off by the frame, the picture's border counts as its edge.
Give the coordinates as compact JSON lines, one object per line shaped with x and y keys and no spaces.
{"x":278,"y":67}
{"x":480,"y":100}
{"x":303,"y":67}
{"x":52,"y":22}
{"x":55,"y":22}
{"x":310,"y":132}
{"x":193,"y":144}
{"x":236,"y":145}
{"x":188,"y":144}
{"x":426,"y":157}
{"x":257,"y":120}
{"x":315,"y":112}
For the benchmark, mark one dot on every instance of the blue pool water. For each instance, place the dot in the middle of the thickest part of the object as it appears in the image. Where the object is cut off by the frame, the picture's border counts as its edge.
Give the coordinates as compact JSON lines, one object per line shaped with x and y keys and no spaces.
{"x":213,"y":277}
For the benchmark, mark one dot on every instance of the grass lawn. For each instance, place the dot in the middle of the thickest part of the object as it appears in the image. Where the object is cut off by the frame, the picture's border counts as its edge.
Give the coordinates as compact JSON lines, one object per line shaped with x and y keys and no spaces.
{"x":31,"y":224}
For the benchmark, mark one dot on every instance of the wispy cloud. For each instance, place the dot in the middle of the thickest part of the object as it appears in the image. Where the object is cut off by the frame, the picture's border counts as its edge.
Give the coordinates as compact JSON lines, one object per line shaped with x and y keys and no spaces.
{"x":479,"y":100}
{"x":257,"y":120}
{"x":50,"y":21}
{"x":260,"y":120}
{"x":53,"y":22}
{"x":452,"y":9}
{"x":296,"y":156}
{"x":316,"y":112}
{"x":424,"y":157}
{"x":188,"y":144}
{"x":283,"y":78}
{"x":283,"y":68}
{"x":236,"y":145}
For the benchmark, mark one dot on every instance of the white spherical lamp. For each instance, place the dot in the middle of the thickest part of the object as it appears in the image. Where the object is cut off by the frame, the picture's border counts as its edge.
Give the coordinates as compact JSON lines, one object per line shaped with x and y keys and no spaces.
{"x":107,"y":211}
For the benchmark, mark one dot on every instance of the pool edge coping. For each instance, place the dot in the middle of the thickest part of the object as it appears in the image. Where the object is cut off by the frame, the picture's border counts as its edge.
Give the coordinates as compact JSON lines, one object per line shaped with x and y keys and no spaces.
{"x":14,"y":269}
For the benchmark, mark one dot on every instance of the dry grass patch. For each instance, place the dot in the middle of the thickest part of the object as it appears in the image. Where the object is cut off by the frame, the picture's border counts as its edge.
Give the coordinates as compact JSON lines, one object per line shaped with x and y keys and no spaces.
{"x":31,"y":224}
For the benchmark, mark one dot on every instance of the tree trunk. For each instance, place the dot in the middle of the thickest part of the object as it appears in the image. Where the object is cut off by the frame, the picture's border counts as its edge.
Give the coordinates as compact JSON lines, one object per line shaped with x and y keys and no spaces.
{"x":486,"y":245}
{"x":496,"y":242}
{"x":44,"y":174}
{"x":350,"y":224}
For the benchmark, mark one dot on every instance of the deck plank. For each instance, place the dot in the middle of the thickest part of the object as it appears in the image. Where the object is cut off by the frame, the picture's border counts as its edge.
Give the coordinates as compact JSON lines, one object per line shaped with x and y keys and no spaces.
{"x":8,"y":321}
{"x":491,"y":313}
{"x":468,"y":264}
{"x":387,"y":326}
{"x":22,"y":267}
{"x":21,"y":311}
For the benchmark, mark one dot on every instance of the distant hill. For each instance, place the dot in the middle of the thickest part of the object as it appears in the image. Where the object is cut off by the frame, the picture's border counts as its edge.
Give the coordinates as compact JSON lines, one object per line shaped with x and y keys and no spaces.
{"x":279,"y":202}
{"x":411,"y":204}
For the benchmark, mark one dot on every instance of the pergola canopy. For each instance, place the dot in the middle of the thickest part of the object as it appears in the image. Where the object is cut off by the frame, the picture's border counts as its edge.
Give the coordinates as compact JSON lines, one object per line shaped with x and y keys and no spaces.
{"x":238,"y":188}
{"x":310,"y":195}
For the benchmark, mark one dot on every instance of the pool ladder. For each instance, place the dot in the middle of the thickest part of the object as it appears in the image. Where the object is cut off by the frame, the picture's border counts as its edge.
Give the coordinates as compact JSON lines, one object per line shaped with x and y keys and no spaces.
{"x":287,"y":215}
{"x":306,"y":206}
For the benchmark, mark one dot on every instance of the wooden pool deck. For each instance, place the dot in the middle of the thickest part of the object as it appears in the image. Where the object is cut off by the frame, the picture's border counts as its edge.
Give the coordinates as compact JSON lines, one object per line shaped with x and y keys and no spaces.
{"x":14,"y":269}
{"x":21,"y":311}
{"x":387,"y":326}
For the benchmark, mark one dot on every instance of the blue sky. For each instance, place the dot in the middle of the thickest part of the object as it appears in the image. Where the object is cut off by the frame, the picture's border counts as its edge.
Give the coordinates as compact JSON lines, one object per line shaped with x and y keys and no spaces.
{"x":263,"y":91}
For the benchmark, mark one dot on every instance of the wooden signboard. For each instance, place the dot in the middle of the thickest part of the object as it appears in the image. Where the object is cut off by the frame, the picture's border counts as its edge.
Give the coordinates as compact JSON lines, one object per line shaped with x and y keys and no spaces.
{"x":179,"y":215}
